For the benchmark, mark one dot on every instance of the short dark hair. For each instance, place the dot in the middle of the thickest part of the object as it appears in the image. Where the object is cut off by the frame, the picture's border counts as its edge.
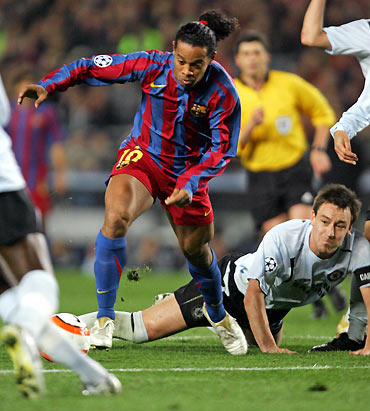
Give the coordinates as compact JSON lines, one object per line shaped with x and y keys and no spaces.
{"x":250,"y":36}
{"x":340,"y":196}
{"x":198,"y":33}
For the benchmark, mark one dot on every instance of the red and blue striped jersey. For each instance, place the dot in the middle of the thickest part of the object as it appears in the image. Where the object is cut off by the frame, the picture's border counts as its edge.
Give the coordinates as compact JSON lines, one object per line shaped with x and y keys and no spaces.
{"x":190,"y":134}
{"x":33,"y":132}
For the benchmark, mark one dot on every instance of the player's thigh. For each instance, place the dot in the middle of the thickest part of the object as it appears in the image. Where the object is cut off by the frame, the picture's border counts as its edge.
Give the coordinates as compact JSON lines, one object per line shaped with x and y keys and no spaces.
{"x":126,"y":197}
{"x":194,"y":240}
{"x":27,"y":254}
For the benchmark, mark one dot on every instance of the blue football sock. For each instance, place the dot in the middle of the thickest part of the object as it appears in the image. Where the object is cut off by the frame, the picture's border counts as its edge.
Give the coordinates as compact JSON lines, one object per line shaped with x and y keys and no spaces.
{"x":209,"y":282}
{"x":110,"y":258}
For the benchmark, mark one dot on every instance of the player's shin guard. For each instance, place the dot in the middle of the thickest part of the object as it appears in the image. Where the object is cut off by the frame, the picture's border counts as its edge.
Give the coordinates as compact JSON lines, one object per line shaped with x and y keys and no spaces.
{"x":110,"y":258}
{"x":209,"y":282}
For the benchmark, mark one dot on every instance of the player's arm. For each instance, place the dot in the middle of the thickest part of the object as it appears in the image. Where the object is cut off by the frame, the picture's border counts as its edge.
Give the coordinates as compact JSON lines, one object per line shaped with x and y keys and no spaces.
{"x":254,"y":303}
{"x":319,"y":158}
{"x":246,"y":131}
{"x":367,"y":228}
{"x":224,"y":124}
{"x":365,"y":291}
{"x":312,"y":33}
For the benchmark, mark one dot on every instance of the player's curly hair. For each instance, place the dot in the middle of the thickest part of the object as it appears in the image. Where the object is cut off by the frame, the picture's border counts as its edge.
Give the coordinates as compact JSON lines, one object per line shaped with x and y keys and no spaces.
{"x":211,"y":27}
{"x":340,"y":196}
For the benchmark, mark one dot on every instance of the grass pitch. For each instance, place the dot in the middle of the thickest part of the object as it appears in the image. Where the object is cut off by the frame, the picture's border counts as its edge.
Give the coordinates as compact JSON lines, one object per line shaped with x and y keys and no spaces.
{"x":192,"y":371}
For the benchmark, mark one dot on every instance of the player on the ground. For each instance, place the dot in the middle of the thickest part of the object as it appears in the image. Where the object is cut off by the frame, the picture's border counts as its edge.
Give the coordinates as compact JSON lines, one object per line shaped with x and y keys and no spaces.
{"x":185,"y":132}
{"x":297,"y":263}
{"x":351,"y":39}
{"x":28,"y":289}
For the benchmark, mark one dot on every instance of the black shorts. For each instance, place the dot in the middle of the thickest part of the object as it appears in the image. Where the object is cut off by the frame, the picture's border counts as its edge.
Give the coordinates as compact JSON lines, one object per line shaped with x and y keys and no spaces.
{"x":271,"y":193}
{"x":368,"y":215}
{"x":17,"y":217}
{"x":191,"y":301}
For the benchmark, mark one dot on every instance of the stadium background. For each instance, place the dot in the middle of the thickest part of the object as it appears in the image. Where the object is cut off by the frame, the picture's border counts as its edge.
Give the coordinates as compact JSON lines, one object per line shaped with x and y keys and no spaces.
{"x":44,"y":34}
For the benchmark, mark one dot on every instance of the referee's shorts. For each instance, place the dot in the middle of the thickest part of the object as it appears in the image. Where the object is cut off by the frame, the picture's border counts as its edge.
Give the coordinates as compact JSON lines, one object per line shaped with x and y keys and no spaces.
{"x":271,"y":193}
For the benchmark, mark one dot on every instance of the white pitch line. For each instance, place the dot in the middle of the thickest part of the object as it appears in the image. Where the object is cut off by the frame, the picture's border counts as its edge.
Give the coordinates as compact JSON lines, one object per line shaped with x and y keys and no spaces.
{"x":206,"y":337}
{"x":232,"y":369}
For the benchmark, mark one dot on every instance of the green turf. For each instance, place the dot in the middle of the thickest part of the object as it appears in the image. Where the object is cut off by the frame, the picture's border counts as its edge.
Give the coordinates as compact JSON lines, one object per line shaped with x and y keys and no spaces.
{"x":196,"y":373}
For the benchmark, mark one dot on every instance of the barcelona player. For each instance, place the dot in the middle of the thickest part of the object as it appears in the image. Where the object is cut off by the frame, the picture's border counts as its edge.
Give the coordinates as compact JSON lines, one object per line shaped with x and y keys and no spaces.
{"x":185,"y":132}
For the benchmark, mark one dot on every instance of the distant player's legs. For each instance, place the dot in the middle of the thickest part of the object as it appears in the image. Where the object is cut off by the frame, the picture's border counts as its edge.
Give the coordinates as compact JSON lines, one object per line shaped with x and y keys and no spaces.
{"x":126,"y":198}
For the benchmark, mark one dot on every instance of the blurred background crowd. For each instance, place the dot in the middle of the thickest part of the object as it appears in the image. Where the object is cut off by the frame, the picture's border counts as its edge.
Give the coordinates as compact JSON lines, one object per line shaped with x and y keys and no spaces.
{"x":38,"y":36}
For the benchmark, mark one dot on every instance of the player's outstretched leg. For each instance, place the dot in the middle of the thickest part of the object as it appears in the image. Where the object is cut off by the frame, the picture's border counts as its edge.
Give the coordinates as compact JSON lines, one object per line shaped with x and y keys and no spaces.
{"x":26,"y":360}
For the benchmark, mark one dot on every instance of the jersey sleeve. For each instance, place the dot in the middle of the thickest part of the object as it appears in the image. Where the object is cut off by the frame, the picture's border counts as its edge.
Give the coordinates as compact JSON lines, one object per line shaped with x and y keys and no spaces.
{"x":313,"y":103}
{"x":4,"y":105}
{"x":360,"y":264}
{"x":224,"y":124}
{"x":268,"y":262}
{"x":352,"y":38}
{"x":357,"y":117}
{"x":100,"y":70}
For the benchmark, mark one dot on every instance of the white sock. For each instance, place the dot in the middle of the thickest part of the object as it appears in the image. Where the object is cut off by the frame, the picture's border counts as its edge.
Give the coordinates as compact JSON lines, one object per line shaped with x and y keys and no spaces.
{"x":8,"y":304}
{"x":53,"y":343}
{"x":130,"y":326}
{"x":31,"y":303}
{"x":88,"y":318}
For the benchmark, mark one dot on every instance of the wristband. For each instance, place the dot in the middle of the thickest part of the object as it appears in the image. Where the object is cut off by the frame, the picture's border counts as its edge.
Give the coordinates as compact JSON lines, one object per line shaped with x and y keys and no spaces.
{"x":318,"y":148}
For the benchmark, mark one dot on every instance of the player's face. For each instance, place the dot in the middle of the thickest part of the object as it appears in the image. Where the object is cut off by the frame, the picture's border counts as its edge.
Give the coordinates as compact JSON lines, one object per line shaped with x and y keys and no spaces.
{"x":252,"y":59}
{"x":190,"y":63}
{"x":329,"y":227}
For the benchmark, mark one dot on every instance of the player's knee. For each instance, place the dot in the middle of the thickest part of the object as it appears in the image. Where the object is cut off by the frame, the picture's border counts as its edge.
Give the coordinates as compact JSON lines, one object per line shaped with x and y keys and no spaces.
{"x":116,"y":223}
{"x":191,"y":250}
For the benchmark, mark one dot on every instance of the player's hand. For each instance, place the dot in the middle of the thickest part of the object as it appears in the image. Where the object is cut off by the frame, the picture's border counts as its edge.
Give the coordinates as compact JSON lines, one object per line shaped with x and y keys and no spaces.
{"x":258,"y":116}
{"x":35,"y":92}
{"x":278,"y":350}
{"x":342,"y":147}
{"x":320,"y":162}
{"x":179,"y":198}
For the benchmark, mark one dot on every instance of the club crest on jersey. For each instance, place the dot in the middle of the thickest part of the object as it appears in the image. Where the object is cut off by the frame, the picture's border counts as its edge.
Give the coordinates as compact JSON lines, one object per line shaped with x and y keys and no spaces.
{"x":103,"y":60}
{"x":335,"y":275}
{"x":198,"y":111}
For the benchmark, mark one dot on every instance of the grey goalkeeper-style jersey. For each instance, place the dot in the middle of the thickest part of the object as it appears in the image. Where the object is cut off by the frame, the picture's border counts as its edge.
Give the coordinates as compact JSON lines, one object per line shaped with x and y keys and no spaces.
{"x":291,"y":275}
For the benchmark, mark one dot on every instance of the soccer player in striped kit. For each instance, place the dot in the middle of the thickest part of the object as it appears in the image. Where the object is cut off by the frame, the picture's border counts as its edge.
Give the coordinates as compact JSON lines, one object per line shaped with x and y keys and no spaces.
{"x":185,"y":132}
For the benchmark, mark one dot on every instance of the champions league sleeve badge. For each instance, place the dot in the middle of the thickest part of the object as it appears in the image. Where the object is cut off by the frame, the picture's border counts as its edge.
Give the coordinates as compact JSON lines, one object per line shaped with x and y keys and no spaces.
{"x":103,"y":60}
{"x":270,"y":264}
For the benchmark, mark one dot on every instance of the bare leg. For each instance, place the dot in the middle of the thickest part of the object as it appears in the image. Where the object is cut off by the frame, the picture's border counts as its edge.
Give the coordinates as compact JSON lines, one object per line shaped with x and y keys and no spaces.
{"x":163,"y":319}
